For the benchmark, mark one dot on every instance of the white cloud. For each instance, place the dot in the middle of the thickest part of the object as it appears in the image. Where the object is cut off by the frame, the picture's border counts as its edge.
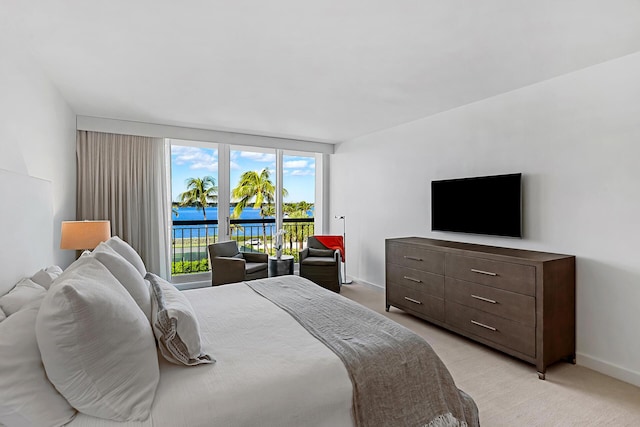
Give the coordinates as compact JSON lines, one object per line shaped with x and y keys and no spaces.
{"x":299,"y":166}
{"x":211,"y":167}
{"x":295,"y":164}
{"x":195,"y":158}
{"x":302,"y":172}
{"x":258,"y":157}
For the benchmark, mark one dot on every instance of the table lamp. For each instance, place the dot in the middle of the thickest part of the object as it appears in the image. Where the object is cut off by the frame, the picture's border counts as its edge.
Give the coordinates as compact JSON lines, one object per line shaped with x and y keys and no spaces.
{"x":84,"y":235}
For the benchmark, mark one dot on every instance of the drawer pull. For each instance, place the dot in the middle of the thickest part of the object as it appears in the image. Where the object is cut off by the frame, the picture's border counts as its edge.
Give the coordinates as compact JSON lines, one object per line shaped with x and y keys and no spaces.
{"x":412,"y":279}
{"x":488,"y":273}
{"x":484,"y":299}
{"x":415,"y":301}
{"x":413,"y":258}
{"x":483,"y":325}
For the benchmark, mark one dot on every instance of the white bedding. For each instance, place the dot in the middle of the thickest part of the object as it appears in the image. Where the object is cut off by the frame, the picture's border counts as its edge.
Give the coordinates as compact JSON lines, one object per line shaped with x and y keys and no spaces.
{"x":269,"y":371}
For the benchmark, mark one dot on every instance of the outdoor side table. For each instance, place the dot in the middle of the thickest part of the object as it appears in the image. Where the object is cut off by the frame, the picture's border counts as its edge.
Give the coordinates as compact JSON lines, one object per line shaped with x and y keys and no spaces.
{"x":280,"y":267}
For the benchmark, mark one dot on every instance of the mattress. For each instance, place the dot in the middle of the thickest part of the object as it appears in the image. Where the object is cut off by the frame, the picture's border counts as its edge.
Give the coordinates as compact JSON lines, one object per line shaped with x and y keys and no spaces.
{"x":269,"y":371}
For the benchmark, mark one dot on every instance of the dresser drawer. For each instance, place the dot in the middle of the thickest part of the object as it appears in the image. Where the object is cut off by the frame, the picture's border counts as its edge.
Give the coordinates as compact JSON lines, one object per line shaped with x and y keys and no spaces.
{"x":497,"y":329}
{"x":418,"y":301}
{"x":517,"y":307}
{"x":510,"y":299}
{"x":504,"y":275}
{"x":429,"y":283}
{"x":415,"y":257}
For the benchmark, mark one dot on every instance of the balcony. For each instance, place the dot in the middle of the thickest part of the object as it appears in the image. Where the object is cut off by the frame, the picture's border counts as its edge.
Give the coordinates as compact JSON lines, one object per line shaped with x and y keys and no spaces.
{"x":190,"y":238}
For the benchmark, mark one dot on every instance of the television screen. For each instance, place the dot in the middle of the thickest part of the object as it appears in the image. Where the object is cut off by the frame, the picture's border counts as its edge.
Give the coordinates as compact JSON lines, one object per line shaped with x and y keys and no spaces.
{"x":480,"y":205}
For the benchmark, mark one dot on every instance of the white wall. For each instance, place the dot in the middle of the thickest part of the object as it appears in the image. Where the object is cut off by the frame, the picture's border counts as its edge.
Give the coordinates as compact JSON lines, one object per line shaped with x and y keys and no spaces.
{"x":575,"y":138}
{"x":37,"y":138}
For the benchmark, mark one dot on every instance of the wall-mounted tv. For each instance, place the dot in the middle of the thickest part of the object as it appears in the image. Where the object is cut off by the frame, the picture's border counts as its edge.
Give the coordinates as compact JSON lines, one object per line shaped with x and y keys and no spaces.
{"x":479,"y":205}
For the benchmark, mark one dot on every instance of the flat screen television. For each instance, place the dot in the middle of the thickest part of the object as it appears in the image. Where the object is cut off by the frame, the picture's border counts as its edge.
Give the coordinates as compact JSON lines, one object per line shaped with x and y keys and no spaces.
{"x":479,"y":205}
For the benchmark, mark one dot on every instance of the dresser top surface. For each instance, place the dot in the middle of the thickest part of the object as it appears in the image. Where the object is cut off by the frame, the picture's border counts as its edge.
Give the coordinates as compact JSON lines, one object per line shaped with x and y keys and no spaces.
{"x":456,"y":247}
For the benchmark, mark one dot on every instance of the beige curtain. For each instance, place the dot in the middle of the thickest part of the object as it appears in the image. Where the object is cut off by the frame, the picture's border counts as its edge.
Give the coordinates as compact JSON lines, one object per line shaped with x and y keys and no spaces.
{"x":124,"y":179}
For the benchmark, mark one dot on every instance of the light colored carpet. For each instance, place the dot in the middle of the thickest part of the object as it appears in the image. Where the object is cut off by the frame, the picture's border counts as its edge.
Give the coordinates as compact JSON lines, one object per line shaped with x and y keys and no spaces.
{"x":507,"y":390}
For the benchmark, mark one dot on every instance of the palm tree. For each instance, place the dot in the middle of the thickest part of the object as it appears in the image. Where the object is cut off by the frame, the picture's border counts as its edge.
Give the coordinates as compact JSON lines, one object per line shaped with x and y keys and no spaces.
{"x":304,"y":207}
{"x":296,"y":230}
{"x":201,"y":192}
{"x":268,"y":210}
{"x":289,"y":208}
{"x":255,"y":188}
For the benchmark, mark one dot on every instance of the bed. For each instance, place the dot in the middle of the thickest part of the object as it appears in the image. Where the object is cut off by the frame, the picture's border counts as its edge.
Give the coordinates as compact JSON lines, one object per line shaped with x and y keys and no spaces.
{"x":270,"y":352}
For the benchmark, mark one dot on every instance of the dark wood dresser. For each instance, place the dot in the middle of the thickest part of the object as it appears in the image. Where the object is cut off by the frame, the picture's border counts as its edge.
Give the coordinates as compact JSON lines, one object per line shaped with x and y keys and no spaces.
{"x":516,"y":301}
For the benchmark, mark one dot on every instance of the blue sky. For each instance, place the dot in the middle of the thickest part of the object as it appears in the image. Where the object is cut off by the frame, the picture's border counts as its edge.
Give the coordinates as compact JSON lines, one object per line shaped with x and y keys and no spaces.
{"x":189,"y":161}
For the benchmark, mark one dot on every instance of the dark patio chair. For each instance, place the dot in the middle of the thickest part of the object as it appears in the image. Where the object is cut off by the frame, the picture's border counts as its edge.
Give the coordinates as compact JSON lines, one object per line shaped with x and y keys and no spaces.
{"x":229,"y":265}
{"x":321,"y":265}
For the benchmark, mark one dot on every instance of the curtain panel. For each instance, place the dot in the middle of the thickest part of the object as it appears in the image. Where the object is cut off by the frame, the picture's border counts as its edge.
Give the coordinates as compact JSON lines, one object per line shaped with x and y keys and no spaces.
{"x":123,"y":178}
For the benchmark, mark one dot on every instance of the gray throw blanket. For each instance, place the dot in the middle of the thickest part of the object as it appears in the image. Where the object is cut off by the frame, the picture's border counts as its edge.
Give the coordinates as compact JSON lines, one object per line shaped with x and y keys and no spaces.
{"x":397,"y":378}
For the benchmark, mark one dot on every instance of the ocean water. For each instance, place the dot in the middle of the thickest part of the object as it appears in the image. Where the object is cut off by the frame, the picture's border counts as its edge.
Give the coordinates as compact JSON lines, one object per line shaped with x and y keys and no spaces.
{"x":194,"y":214}
{"x":191,"y":213}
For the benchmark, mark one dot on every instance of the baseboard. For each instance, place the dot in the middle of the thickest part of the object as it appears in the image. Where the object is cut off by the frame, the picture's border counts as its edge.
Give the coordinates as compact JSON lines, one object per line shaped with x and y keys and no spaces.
{"x":192,"y":285}
{"x":615,"y":371}
{"x":191,"y":281}
{"x":373,"y":286}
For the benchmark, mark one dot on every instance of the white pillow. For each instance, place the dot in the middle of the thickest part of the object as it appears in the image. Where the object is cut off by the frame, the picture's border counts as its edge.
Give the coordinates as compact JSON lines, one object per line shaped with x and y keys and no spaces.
{"x":46,"y":276}
{"x":175,"y":324}
{"x":97,"y":346}
{"x":127,"y":275}
{"x":26,"y":290}
{"x":82,"y":260}
{"x":128,"y":253}
{"x":75,"y":264}
{"x":27,"y":398}
{"x":2,"y":315}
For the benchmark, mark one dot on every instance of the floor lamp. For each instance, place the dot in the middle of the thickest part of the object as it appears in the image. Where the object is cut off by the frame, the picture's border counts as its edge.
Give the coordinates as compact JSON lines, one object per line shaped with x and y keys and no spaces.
{"x":345,"y":281}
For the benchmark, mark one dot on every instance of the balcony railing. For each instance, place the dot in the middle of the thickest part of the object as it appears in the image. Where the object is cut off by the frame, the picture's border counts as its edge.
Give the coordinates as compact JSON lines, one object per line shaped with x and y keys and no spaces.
{"x":189,"y":240}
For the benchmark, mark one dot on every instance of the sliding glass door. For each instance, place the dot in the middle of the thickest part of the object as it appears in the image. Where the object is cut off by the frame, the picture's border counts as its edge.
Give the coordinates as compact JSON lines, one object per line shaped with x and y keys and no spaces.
{"x":299,"y":173}
{"x":222,"y":192}
{"x":252,"y":195}
{"x":194,"y":205}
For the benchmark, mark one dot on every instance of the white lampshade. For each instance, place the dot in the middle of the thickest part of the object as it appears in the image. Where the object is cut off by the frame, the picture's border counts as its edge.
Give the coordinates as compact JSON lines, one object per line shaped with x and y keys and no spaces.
{"x":81,"y":235}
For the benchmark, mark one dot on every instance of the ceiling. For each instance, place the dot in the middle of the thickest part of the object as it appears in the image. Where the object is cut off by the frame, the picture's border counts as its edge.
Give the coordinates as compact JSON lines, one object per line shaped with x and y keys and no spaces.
{"x":327,"y":71}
